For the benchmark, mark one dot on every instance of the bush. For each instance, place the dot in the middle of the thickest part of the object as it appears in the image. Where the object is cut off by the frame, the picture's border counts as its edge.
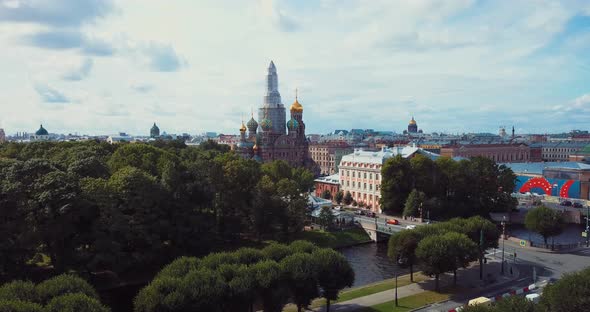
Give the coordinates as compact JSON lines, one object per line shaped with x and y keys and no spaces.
{"x":248,"y":255}
{"x":19,"y":290}
{"x":75,"y":303}
{"x":179,"y":267}
{"x":276,"y":251}
{"x":19,"y":306}
{"x":64,"y":284}
{"x":302,"y":246}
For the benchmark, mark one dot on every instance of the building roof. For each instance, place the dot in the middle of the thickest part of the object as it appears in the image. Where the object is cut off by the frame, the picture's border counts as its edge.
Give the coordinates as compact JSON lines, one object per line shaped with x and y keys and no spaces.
{"x":41,"y":131}
{"x":538,"y":167}
{"x":378,"y":157}
{"x":332,"y":179}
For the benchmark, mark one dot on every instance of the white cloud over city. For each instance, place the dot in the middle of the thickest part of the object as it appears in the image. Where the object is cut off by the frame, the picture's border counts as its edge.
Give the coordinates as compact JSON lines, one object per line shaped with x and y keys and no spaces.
{"x":96,"y":66}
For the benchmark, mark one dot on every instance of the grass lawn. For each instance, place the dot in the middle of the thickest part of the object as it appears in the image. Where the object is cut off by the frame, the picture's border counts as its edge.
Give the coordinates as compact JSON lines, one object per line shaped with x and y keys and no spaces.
{"x":335,"y":239}
{"x":366,"y":290}
{"x":409,"y":303}
{"x":379,"y":287}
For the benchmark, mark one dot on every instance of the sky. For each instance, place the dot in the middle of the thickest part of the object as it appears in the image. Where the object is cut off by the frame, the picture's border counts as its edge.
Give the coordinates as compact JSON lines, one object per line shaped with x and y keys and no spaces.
{"x":108,"y":66}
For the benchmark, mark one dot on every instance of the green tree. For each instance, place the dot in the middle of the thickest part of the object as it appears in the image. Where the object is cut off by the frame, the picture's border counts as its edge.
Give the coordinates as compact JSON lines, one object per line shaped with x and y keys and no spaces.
{"x":19,"y":290}
{"x":64,"y":284}
{"x":19,"y":306}
{"x":199,"y":290}
{"x":74,"y":303}
{"x":300,"y":269}
{"x":396,"y":184}
{"x":545,"y":221}
{"x":402,"y":249}
{"x":570,"y":293}
{"x":270,"y":285}
{"x":477,"y":228}
{"x":141,"y":156}
{"x":461,"y":249}
{"x":302,"y":246}
{"x":339,"y":197}
{"x":333,"y":273}
{"x":433,"y":253}
{"x":276,"y":251}
{"x":347,"y":198}
{"x":425,"y":175}
{"x":414,"y":203}
{"x":179,"y":267}
{"x":326,"y":218}
{"x":326,"y":194}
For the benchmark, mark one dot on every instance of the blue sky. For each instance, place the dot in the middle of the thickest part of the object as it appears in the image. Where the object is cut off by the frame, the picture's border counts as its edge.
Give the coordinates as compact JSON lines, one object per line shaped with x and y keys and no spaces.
{"x":103,"y":66}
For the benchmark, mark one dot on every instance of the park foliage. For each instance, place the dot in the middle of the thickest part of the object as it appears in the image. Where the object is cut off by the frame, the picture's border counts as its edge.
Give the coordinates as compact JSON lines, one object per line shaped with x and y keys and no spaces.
{"x":443,"y":247}
{"x":62,"y":293}
{"x":90,"y":206}
{"x":237,"y":281}
{"x":445,"y":188}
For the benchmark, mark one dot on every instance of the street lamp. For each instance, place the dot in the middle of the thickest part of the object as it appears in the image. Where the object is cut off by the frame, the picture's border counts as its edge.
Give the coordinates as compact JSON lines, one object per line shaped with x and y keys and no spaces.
{"x":587,"y":226}
{"x":396,"y":304}
{"x":503,"y":239}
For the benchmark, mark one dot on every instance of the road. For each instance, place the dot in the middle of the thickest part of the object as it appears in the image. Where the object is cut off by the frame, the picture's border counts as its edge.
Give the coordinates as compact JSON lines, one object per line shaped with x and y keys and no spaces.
{"x":546,"y":264}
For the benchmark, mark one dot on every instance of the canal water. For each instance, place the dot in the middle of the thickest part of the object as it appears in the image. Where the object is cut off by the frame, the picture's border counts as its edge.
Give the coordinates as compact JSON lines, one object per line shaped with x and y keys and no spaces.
{"x":370,"y":263}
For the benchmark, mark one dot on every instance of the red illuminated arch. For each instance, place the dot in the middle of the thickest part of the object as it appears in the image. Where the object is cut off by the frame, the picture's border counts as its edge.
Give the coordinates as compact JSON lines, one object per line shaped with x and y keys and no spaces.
{"x":536,"y":183}
{"x":565,"y":189}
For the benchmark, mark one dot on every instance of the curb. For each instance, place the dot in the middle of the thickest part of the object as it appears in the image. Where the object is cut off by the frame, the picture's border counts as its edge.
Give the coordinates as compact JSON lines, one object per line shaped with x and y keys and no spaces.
{"x":512,"y":292}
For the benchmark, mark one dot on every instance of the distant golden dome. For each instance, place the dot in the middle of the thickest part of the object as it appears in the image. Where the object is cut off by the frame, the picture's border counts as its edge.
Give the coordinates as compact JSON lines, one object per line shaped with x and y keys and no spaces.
{"x":255,"y":148}
{"x":243,"y":127}
{"x":412,"y":122}
{"x":296,"y":107}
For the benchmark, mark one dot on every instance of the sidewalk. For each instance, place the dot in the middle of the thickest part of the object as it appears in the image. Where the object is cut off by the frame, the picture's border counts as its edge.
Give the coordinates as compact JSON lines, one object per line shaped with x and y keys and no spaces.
{"x":467,"y":279}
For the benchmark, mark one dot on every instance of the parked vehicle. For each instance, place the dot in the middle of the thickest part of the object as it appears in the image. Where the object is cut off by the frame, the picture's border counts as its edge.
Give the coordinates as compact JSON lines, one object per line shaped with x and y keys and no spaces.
{"x":578,"y":205}
{"x":410,"y":227}
{"x":392,"y":222}
{"x":566,"y":203}
{"x":371,"y":215}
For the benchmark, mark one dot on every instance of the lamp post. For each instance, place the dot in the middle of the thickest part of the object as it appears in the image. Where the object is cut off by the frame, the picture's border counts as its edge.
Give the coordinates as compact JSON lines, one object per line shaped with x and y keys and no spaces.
{"x":503,"y":239}
{"x":396,"y":304}
{"x":587,"y":226}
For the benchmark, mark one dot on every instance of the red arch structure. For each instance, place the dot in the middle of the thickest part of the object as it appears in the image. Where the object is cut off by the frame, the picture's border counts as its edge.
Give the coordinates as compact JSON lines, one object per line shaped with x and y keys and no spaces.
{"x":538,"y":182}
{"x":565,"y":189}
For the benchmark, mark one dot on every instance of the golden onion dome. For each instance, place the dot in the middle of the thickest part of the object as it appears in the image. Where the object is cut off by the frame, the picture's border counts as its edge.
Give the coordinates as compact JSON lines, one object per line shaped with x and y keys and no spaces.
{"x":412,"y":122}
{"x":296,"y":107}
{"x":243,"y":127}
{"x":255,"y":148}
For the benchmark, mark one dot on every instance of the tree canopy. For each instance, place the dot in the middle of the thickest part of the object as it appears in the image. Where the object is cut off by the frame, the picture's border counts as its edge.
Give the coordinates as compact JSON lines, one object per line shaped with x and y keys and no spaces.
{"x":235,"y":281}
{"x":545,"y":221}
{"x":447,"y":188}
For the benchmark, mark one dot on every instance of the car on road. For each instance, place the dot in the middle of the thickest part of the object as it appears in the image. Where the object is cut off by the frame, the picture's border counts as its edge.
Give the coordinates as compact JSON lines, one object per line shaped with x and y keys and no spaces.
{"x":410,"y":227}
{"x":566,"y":203}
{"x":371,"y":215}
{"x":360,"y":212}
{"x":392,"y":222}
{"x":578,"y":205}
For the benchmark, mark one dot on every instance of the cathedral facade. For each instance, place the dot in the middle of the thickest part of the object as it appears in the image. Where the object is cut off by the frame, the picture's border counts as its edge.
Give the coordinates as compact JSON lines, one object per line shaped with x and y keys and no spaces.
{"x":272,"y":137}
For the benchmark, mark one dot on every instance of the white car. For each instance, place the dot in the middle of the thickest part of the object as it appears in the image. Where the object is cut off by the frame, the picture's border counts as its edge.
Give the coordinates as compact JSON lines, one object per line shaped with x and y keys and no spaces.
{"x":410,"y":227}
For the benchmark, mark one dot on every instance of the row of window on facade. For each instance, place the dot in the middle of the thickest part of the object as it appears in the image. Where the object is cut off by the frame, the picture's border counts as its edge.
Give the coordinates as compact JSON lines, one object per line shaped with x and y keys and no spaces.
{"x":354,"y":185}
{"x":347,"y":173}
{"x":362,"y":197}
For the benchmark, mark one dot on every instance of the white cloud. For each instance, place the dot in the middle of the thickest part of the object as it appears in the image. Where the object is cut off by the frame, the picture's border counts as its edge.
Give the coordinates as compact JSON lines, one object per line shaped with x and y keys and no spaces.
{"x":458,"y":65}
{"x":80,"y":72}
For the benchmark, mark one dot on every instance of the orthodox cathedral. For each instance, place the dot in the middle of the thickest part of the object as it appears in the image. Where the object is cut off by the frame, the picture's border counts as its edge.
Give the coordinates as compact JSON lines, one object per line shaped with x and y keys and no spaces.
{"x":272,"y":137}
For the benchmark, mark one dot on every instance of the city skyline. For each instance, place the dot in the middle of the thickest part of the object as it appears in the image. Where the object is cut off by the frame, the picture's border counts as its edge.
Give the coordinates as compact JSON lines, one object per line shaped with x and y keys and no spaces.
{"x":99,"y":67}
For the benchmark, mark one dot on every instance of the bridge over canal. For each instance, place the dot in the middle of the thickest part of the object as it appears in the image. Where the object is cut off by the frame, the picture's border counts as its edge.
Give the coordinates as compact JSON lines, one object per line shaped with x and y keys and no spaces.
{"x":377,"y":228}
